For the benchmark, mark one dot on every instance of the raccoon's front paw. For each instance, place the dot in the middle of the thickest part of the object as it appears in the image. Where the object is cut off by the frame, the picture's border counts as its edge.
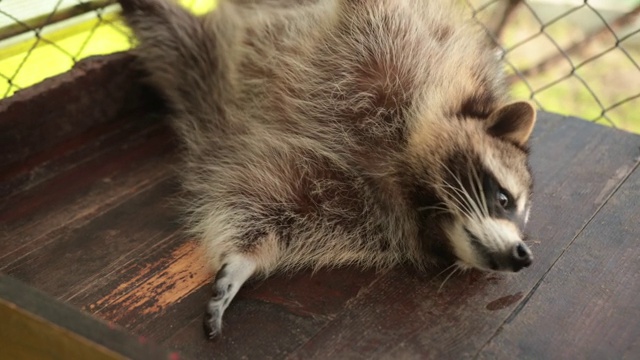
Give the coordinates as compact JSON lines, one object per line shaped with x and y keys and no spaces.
{"x":229,"y":279}
{"x":213,"y":318}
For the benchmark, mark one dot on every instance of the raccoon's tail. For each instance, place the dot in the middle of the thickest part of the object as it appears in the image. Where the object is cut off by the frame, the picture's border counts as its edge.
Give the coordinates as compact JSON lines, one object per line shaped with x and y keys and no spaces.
{"x":181,"y":53}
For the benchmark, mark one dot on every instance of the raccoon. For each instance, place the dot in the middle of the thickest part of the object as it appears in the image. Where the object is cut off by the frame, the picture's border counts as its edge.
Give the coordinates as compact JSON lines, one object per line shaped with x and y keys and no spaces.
{"x":339,"y":132}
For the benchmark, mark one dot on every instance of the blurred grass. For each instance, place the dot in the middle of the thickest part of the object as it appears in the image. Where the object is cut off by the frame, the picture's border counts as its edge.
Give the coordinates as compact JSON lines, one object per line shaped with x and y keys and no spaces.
{"x":609,"y":78}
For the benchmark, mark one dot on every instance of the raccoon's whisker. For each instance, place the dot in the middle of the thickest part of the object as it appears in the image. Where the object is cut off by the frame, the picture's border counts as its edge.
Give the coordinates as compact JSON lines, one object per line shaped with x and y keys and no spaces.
{"x":474,"y":211}
{"x":479,"y":192}
{"x":455,"y":269}
{"x":473,"y":203}
{"x":482,"y":193}
{"x":441,"y":208}
{"x":446,"y":186}
{"x":463,"y":200}
{"x":460,"y":205}
{"x":443,"y":271}
{"x":474,"y":190}
{"x":456,"y":203}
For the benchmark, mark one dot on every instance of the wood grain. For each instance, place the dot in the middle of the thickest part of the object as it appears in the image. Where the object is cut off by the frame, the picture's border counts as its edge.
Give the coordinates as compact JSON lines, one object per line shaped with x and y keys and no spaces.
{"x":307,"y":293}
{"x":402,"y":316}
{"x":71,"y":152}
{"x":269,"y":318}
{"x":252,"y":330}
{"x":156,"y":286}
{"x":35,"y":326}
{"x":39,"y":214}
{"x":97,"y":90}
{"x":77,"y":254}
{"x":587,"y":306}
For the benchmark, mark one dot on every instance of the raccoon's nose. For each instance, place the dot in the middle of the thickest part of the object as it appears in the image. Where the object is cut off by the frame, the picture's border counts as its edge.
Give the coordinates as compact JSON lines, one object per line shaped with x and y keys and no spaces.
{"x":520,"y":256}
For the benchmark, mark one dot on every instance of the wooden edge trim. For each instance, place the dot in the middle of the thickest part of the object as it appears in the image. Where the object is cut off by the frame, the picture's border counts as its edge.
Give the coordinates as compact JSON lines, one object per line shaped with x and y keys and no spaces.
{"x":37,"y":326}
{"x":95,"y":91}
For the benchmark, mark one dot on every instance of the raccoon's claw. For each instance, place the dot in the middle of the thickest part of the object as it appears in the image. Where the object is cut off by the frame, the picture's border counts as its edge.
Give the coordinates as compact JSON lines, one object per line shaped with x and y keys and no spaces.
{"x":213,"y":314}
{"x":212,"y":323}
{"x":229,"y":279}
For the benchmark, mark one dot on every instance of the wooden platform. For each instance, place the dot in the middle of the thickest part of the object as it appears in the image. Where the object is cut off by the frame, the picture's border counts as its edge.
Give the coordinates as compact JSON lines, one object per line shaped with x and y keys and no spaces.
{"x":86,"y":217}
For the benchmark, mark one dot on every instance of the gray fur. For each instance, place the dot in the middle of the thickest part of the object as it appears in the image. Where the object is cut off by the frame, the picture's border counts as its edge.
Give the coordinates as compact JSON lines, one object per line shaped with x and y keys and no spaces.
{"x":333,"y":132}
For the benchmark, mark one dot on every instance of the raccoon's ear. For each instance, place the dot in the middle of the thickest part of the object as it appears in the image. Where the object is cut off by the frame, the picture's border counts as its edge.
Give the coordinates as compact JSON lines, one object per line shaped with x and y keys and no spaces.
{"x":513,"y":122}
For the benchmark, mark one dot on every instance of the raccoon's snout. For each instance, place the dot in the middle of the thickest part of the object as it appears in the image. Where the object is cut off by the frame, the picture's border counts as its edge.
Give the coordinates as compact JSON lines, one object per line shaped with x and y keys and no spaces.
{"x":520,"y":257}
{"x":513,"y":258}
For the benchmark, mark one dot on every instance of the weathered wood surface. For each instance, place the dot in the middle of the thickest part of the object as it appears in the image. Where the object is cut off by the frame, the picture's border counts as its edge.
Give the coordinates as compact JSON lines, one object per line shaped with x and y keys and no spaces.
{"x":96,"y":91}
{"x":588,"y":303}
{"x":34,"y":326}
{"x":95,"y":227}
{"x":458,"y":320}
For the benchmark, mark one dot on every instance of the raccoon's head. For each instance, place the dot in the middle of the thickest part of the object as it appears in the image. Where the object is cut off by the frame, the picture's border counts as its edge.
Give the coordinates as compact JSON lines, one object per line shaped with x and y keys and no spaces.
{"x":473,"y":188}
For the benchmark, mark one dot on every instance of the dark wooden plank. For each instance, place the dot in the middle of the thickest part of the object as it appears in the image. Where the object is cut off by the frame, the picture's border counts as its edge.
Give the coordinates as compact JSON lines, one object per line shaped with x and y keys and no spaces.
{"x":35,"y":326}
{"x":165,"y":290}
{"x":269,"y":318}
{"x":126,"y":275}
{"x":149,"y":143}
{"x":30,"y":219}
{"x":67,"y":154}
{"x":404,"y":316}
{"x":154,"y":293}
{"x":255,"y":330}
{"x":162,"y":322}
{"x":307,"y":293}
{"x":80,"y":254}
{"x":161,"y":295}
{"x":166,"y":277}
{"x":95,"y":91}
{"x":587,"y":306}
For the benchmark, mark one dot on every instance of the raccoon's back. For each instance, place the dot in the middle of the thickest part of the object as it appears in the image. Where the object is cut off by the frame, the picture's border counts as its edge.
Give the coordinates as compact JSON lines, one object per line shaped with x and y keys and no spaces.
{"x":365,"y":69}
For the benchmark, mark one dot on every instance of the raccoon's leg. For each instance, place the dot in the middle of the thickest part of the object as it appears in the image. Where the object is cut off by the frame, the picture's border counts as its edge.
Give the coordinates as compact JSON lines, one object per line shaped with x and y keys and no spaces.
{"x":235,"y":270}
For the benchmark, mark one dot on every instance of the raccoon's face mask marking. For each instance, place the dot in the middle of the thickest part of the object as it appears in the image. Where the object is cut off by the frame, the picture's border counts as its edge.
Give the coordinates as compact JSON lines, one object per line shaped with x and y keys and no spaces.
{"x":488,"y":196}
{"x":487,"y":227}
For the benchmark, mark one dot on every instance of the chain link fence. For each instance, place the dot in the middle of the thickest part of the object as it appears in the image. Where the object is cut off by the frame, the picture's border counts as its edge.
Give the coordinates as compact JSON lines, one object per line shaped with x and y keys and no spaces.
{"x":42,"y":38}
{"x":573,"y":57}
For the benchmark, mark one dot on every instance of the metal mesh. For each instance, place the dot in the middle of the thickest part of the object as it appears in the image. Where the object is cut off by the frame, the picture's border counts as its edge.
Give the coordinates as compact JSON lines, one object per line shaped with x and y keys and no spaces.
{"x":577,"y":58}
{"x":41,"y":38}
{"x":572,"y":57}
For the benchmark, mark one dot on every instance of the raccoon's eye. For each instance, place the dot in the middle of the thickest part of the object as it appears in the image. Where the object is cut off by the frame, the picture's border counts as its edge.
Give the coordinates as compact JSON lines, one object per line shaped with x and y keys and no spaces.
{"x":503,"y":199}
